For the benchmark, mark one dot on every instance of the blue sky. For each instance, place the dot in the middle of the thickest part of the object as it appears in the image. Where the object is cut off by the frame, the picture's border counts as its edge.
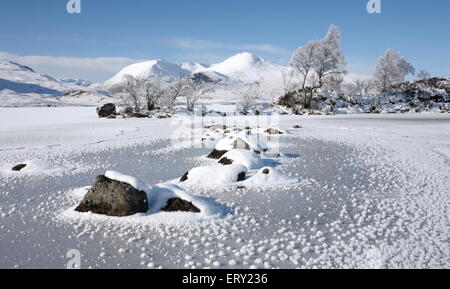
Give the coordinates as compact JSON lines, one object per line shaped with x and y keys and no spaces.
{"x":108,"y":35}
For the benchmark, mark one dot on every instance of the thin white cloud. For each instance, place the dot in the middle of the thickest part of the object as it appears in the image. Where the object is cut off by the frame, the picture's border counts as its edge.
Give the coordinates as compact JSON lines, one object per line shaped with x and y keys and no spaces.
{"x":92,"y":69}
{"x":205,"y":45}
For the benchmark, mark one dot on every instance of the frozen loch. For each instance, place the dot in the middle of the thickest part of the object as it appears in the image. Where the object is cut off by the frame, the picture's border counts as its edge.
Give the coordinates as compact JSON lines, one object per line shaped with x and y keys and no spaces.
{"x":361,"y":191}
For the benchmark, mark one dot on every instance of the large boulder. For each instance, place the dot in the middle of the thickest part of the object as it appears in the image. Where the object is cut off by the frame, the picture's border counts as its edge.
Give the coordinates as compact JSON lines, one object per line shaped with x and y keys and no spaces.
{"x":113,"y":198}
{"x":107,"y":110}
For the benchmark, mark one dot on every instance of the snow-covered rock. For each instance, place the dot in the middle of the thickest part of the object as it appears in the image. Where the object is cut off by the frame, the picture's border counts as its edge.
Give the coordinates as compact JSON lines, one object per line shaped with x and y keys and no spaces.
{"x":247,"y":158}
{"x":268,"y":176}
{"x":160,"y":194}
{"x":213,"y":176}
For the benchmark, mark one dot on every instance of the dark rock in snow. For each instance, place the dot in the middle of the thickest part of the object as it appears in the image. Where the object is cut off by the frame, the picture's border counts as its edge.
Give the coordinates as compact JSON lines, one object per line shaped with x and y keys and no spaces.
{"x":107,"y":110}
{"x":184,"y":177}
{"x":266,"y":171}
{"x":19,"y":167}
{"x":113,"y":198}
{"x":241,"y":177}
{"x":225,"y":161}
{"x":179,"y":205}
{"x":215,"y":154}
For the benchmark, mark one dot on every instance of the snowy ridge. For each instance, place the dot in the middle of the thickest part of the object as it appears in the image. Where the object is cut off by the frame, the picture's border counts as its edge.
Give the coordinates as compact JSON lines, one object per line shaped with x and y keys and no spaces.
{"x":149,"y":69}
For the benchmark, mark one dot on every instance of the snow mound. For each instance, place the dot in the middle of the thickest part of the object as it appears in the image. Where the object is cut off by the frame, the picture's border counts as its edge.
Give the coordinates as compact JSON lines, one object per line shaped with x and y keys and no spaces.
{"x":247,"y":158}
{"x":149,"y":69}
{"x":268,"y":176}
{"x":228,"y":143}
{"x":132,"y":181}
{"x":161,"y":193}
{"x":35,"y":167}
{"x":214,"y":176}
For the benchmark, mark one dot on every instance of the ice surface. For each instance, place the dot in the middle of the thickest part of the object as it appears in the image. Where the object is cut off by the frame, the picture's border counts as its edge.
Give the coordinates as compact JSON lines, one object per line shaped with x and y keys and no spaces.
{"x":373,"y":194}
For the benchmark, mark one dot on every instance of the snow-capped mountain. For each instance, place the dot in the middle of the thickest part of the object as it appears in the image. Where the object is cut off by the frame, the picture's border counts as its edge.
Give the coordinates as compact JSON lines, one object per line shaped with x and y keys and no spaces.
{"x":194,"y":66}
{"x":148,"y":69}
{"x":247,"y":67}
{"x":76,"y":81}
{"x":20,"y":85}
{"x":21,"y":78}
{"x":241,"y":68}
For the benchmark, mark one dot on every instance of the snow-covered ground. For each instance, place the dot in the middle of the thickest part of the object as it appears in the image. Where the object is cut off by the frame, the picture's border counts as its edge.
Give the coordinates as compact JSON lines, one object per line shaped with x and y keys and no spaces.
{"x":358,"y":191}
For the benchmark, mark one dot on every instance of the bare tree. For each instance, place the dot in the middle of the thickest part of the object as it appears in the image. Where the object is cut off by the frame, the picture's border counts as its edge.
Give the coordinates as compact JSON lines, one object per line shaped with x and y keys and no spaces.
{"x":173,"y":91}
{"x":360,"y":87}
{"x":193,"y":90}
{"x":132,"y":89}
{"x":155,"y":90}
{"x":318,"y":63}
{"x":392,"y":68}
{"x":423,"y":75}
{"x":249,"y":95}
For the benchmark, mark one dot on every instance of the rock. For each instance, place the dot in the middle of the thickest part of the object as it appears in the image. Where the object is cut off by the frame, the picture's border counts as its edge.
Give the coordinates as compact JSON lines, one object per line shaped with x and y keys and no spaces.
{"x":113,"y":198}
{"x":241,"y":144}
{"x":217,"y":126}
{"x":184,"y":177}
{"x":163,"y":116}
{"x":265,"y":171}
{"x":19,"y":167}
{"x":127,"y":111}
{"x":225,"y":161}
{"x":106,"y":110}
{"x":273,"y":131}
{"x":241,"y":177}
{"x":179,"y":205}
{"x":216,"y":154}
{"x":139,"y":115}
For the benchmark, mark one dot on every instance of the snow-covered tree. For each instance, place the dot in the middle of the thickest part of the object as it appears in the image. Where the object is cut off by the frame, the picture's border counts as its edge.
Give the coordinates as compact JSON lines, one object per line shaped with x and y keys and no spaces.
{"x":155,"y":91}
{"x":392,"y":68}
{"x":360,"y":87}
{"x":422,"y":75}
{"x":132,"y":88}
{"x":248,"y":96}
{"x":193,"y":90}
{"x":317,"y":64}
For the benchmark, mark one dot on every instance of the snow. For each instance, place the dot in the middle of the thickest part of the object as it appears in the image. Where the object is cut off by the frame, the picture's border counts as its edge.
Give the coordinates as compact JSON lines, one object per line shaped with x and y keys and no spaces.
{"x":161,"y":193}
{"x":371,"y":191}
{"x":34,"y":167}
{"x":273,"y":178}
{"x":227,"y":143}
{"x":148,"y":69}
{"x":248,"y":159}
{"x":247,"y":67}
{"x":132,"y":181}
